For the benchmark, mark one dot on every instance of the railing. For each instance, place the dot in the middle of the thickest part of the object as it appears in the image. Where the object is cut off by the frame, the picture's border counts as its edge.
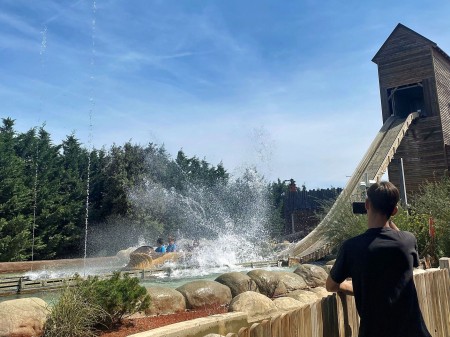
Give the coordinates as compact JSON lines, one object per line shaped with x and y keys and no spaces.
{"x":12,"y":285}
{"x":316,"y":255}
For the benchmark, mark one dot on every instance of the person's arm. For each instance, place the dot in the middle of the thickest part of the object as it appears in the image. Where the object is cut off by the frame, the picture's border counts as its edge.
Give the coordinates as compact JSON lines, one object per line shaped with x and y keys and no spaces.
{"x":393,"y":226}
{"x":345,"y":287}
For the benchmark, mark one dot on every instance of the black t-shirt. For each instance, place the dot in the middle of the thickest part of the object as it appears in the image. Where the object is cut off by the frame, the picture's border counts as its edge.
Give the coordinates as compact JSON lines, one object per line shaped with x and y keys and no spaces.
{"x":380,"y":263}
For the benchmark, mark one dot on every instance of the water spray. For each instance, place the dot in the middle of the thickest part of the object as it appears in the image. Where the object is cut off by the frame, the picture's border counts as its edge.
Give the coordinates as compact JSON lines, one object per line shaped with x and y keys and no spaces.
{"x":90,"y":146}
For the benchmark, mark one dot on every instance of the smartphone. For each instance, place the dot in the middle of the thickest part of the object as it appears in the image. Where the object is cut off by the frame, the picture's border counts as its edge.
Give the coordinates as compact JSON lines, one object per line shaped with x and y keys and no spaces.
{"x":359,"y":207}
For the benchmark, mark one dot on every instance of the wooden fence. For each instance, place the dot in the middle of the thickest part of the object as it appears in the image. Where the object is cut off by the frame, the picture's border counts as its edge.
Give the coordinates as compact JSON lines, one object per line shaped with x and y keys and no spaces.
{"x":336,"y":316}
{"x":11,"y":285}
{"x":318,"y":254}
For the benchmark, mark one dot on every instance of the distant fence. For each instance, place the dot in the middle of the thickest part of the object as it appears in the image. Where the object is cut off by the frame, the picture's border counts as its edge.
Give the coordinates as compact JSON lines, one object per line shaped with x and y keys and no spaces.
{"x":9,"y":285}
{"x":318,"y":254}
{"x":336,"y":316}
{"x":12,"y":285}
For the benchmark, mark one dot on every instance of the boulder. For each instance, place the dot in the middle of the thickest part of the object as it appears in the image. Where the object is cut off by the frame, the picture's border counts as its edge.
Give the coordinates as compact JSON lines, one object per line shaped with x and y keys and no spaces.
{"x":291,"y":281}
{"x":201,"y":294}
{"x":304,"y":296}
{"x":287,"y":303}
{"x":327,"y":268}
{"x":165,"y":301}
{"x":320,"y":292}
{"x":23,"y":317}
{"x":268,"y":282}
{"x":313,"y":275}
{"x":237,"y":282}
{"x":253,"y":304}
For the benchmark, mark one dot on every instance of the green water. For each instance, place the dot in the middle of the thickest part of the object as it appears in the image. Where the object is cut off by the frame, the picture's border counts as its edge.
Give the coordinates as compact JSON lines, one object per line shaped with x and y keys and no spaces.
{"x":48,"y":296}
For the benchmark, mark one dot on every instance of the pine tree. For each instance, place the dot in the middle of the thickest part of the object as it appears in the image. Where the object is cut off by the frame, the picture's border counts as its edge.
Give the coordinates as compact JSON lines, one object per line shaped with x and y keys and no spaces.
{"x":15,"y":199}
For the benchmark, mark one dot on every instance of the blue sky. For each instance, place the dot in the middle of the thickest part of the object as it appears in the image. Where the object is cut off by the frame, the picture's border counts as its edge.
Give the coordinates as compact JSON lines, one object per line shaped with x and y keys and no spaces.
{"x":287,"y":86}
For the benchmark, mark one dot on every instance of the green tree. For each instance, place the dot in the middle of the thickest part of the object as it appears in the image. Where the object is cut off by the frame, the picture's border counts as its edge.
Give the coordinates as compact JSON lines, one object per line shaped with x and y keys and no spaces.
{"x":434,"y":200}
{"x":276,"y":192}
{"x":15,"y":199}
{"x":49,"y":202}
{"x":200,"y":172}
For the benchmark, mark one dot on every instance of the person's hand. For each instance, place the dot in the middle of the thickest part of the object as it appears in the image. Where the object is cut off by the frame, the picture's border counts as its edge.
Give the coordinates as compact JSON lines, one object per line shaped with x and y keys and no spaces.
{"x":393,"y":226}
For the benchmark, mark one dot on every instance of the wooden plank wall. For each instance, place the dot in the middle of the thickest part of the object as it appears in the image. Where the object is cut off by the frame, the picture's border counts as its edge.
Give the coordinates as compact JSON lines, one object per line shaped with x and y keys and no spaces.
{"x":408,"y":58}
{"x":405,"y":59}
{"x":442,"y":70}
{"x":336,"y":316}
{"x":423,"y":153}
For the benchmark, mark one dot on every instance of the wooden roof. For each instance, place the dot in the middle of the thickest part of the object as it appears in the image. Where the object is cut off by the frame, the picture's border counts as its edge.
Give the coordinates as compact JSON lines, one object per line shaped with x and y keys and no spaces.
{"x":414,"y":35}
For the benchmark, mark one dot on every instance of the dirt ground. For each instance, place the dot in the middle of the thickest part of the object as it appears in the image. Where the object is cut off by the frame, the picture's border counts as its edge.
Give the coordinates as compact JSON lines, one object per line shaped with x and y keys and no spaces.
{"x":135,"y":325}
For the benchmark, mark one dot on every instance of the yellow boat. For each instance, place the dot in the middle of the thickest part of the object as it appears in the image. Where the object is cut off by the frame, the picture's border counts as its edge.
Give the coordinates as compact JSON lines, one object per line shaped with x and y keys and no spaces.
{"x":145,"y":257}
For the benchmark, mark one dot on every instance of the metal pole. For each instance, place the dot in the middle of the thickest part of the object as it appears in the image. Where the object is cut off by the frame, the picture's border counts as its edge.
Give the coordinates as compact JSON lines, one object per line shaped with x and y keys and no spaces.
{"x":403,"y":196}
{"x":293,"y":222}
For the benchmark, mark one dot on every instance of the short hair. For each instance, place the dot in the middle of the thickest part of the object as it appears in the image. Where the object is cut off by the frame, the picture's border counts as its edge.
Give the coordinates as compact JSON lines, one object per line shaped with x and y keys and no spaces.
{"x":160,"y":241}
{"x":383,"y":197}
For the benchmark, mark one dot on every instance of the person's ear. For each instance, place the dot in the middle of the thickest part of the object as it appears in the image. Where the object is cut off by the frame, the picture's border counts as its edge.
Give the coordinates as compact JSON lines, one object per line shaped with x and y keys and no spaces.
{"x":367,"y":204}
{"x":394,"y":211}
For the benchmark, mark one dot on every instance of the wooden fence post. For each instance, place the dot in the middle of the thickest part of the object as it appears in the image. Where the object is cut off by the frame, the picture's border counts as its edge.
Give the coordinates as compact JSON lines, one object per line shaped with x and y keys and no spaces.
{"x":444,"y":263}
{"x":19,"y":285}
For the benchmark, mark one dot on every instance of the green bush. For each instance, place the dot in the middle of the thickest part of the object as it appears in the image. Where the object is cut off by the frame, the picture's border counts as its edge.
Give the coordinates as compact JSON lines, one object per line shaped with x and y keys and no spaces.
{"x":73,"y":315}
{"x":344,"y":225}
{"x":93,"y":304}
{"x":118,"y":296}
{"x":434,"y":200}
{"x":416,"y":223}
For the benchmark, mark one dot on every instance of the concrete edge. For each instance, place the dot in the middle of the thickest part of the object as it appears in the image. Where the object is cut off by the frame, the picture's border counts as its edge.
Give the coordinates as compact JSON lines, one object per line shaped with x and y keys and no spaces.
{"x":219,"y":324}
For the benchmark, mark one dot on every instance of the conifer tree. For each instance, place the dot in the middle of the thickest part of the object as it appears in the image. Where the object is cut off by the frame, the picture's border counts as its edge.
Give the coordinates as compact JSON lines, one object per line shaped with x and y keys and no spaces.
{"x":15,"y":199}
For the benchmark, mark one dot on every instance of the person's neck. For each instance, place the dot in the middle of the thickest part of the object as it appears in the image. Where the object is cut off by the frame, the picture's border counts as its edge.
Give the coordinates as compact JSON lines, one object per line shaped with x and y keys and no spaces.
{"x":376,"y":220}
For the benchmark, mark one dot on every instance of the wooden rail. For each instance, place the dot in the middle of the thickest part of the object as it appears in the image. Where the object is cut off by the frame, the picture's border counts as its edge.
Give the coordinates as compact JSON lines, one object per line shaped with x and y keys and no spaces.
{"x":11,"y":285}
{"x":317,"y":254}
{"x":260,"y":264}
{"x":17,"y":285}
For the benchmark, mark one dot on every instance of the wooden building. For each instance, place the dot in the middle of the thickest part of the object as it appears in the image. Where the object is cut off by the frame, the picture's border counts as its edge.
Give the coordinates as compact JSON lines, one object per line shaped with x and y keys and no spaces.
{"x":414,"y":75}
{"x":300,"y":207}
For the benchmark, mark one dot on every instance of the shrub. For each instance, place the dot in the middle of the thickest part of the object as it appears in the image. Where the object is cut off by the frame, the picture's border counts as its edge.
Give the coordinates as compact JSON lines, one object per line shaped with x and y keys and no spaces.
{"x":93,"y":304}
{"x":345,"y":224}
{"x":434,"y":200}
{"x":73,"y":315}
{"x":416,"y":223}
{"x":118,"y":296}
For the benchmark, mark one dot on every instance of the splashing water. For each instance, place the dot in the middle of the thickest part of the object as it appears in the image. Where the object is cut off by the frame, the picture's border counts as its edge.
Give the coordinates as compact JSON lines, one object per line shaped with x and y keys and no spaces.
{"x":36,"y":166}
{"x":90,"y":146}
{"x":229,"y":220}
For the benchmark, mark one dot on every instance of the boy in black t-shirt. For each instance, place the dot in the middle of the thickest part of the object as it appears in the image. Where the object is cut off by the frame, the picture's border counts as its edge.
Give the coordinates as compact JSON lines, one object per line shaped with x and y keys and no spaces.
{"x":380,"y":263}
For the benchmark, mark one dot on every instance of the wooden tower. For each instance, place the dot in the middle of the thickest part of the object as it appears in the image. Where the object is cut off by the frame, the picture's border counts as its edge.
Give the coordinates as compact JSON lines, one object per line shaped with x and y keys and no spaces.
{"x":414,"y":75}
